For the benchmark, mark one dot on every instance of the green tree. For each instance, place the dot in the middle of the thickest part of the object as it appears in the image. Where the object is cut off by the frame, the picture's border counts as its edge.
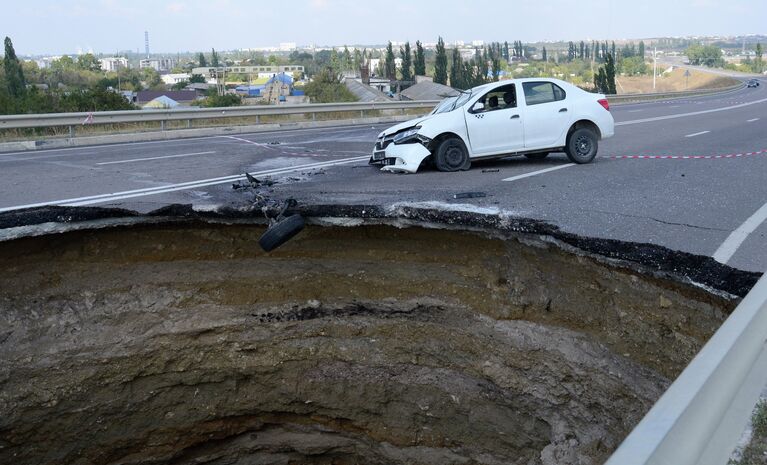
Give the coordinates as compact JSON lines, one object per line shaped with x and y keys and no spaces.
{"x":641,"y":49}
{"x":88,"y":62}
{"x":390,"y":67}
{"x":14,"y":75}
{"x":600,"y":81}
{"x":201,"y":59}
{"x":457,"y":71}
{"x":440,"y":65}
{"x":544,"y":55}
{"x":214,"y":61}
{"x":420,"y":59}
{"x":610,"y":74}
{"x":708,"y":55}
{"x":346,"y":59}
{"x":407,"y":62}
{"x":197,"y":79}
{"x":326,"y":87}
{"x":758,"y":65}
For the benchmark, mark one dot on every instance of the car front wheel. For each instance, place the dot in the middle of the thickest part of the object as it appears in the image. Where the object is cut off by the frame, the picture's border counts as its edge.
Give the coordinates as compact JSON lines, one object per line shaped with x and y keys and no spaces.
{"x":451,"y":155}
{"x":582,"y":146}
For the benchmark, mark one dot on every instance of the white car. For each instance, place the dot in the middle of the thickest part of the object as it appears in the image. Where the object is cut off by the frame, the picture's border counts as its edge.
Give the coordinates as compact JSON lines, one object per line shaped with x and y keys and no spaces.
{"x":530,"y":117}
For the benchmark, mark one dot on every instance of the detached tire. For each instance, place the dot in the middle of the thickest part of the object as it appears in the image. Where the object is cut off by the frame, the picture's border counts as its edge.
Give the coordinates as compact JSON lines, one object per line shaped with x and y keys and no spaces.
{"x":537,"y":156}
{"x":282,"y":232}
{"x":582,"y":145}
{"x":451,"y":155}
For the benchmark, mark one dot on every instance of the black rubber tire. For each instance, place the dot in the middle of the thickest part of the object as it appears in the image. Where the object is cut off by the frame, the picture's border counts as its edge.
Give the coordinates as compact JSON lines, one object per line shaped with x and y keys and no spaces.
{"x":582,"y":146}
{"x":451,"y":155}
{"x":537,"y":155}
{"x":282,"y":232}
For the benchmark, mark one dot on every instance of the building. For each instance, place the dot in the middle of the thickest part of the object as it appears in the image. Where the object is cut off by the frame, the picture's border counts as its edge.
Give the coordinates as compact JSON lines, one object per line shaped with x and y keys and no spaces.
{"x":171,"y":79}
{"x":113,"y":64}
{"x":253,"y":72}
{"x":365,"y":93}
{"x":161,"y":65}
{"x":181,"y":96}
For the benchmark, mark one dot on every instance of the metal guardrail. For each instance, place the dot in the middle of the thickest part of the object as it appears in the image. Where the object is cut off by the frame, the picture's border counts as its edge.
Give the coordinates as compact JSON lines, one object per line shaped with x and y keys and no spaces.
{"x":191,"y":114}
{"x":701,"y":416}
{"x":619,"y":98}
{"x":72,"y":120}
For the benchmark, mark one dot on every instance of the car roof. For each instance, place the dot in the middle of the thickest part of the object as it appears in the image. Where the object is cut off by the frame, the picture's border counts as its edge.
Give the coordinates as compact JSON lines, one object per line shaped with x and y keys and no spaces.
{"x":492,"y":85}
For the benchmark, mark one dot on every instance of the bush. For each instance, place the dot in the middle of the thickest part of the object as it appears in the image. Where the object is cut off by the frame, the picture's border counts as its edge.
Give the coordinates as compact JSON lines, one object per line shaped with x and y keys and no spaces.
{"x":217,"y":101}
{"x":328,"y":88}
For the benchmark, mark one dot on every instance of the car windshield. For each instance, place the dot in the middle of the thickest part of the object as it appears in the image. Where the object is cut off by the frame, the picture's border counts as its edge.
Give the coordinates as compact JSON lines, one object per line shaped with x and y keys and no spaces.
{"x":451,"y":103}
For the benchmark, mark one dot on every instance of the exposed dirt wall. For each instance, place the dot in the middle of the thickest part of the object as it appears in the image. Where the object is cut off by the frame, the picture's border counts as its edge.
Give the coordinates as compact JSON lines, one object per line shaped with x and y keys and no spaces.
{"x":187,"y":344}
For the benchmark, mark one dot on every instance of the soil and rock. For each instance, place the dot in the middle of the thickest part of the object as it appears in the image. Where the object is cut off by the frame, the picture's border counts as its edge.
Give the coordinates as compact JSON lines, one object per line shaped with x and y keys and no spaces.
{"x":184,"y":343}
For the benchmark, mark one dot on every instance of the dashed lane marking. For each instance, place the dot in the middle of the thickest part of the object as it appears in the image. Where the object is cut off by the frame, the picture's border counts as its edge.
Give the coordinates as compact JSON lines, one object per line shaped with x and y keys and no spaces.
{"x":752,"y":120}
{"x":697,"y":134}
{"x":685,"y":157}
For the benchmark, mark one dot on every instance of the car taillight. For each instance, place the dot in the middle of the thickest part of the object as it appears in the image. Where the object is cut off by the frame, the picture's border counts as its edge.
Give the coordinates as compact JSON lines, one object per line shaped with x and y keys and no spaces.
{"x":604,"y":103}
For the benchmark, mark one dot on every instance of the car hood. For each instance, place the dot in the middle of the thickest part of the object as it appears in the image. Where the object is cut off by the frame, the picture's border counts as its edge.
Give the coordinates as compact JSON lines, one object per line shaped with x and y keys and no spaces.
{"x":407,"y":124}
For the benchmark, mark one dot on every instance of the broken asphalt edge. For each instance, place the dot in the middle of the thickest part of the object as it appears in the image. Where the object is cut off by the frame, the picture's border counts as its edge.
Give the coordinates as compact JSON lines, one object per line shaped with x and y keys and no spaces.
{"x":649,"y":259}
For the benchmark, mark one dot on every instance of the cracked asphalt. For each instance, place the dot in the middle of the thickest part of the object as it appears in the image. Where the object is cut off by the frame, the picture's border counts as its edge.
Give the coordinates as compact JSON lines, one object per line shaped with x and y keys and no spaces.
{"x":688,"y":204}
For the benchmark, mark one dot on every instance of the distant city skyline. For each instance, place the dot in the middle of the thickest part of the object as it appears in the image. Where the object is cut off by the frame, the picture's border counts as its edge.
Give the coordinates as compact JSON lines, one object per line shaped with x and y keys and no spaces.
{"x":107,"y":26}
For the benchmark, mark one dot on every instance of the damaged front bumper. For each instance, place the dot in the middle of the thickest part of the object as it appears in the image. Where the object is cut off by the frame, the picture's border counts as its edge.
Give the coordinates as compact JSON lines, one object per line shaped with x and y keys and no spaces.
{"x":400,"y":158}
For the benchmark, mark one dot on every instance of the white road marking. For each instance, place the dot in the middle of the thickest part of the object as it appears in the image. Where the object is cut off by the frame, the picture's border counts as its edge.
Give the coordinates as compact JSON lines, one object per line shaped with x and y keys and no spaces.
{"x":94,"y":199}
{"x":752,"y":120}
{"x":697,"y":134}
{"x":728,"y":248}
{"x":154,"y":158}
{"x":634,"y":111}
{"x":535,"y":173}
{"x":692,"y":113}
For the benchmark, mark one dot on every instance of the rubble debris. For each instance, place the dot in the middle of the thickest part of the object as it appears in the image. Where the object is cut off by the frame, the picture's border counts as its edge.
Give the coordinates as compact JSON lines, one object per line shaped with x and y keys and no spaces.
{"x":469,"y":195}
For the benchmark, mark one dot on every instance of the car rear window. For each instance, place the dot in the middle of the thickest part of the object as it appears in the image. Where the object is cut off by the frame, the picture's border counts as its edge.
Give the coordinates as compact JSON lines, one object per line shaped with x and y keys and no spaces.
{"x":542,"y":92}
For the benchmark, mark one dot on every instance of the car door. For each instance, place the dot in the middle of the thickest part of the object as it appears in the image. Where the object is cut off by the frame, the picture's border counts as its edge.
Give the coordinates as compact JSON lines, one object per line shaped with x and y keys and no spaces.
{"x":495,"y":128}
{"x":547,"y":113}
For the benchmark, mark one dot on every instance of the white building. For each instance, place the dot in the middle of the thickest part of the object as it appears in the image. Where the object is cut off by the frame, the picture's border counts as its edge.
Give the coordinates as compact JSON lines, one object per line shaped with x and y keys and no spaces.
{"x":158,"y":64}
{"x":170,"y":79}
{"x":45,"y":62}
{"x":113,"y":64}
{"x":287,"y":46}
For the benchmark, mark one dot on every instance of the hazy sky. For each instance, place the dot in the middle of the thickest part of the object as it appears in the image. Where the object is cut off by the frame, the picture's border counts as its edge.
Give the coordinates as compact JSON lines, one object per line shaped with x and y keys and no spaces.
{"x":61,"y":26}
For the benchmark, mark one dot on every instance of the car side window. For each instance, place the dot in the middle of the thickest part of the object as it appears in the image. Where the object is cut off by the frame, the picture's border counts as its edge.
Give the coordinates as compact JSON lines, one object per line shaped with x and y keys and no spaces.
{"x":542,"y":92}
{"x":500,"y":98}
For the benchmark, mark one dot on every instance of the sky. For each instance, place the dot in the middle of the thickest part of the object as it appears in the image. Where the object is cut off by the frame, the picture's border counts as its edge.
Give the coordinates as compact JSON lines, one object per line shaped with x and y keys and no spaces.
{"x":105,"y":26}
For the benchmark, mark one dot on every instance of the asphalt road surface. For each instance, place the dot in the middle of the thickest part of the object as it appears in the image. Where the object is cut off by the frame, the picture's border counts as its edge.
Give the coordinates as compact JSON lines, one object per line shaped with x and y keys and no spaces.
{"x":688,"y":174}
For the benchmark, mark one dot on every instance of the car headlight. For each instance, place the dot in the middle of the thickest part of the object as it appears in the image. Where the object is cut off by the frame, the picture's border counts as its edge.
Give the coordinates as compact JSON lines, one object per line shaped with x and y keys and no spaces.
{"x":406,"y":135}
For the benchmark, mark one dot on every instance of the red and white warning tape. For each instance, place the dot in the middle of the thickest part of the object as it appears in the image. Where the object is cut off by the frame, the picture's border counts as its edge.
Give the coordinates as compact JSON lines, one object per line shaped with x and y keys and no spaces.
{"x":686,"y":157}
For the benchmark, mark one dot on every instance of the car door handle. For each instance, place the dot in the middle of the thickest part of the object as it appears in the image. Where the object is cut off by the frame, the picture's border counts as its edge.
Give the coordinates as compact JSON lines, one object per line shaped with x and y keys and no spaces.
{"x":562,"y":110}
{"x":514,"y":117}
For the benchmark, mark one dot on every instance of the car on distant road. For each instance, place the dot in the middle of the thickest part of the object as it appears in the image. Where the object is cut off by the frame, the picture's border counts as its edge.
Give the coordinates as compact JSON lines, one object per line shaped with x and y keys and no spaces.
{"x":752,"y":83}
{"x":530,"y":117}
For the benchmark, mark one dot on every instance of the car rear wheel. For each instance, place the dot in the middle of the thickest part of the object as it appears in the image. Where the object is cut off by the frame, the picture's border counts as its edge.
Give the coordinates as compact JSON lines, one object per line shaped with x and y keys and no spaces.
{"x":451,"y":155}
{"x":537,"y":155}
{"x":582,"y":145}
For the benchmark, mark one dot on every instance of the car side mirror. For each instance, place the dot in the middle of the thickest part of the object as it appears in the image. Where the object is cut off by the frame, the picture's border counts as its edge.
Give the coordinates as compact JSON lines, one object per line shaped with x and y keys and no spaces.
{"x":479,"y":106}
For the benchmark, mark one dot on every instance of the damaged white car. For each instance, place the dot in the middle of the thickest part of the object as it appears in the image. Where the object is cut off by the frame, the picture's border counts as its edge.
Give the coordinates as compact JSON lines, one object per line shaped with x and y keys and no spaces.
{"x":530,"y":117}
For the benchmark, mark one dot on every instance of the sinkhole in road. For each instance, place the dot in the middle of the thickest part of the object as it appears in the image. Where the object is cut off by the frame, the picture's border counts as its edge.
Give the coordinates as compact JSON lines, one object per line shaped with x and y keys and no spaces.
{"x":184,"y":343}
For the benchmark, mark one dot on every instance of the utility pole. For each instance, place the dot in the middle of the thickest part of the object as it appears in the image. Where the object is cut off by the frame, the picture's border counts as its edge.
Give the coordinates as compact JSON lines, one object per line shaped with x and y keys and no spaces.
{"x":654,"y":66}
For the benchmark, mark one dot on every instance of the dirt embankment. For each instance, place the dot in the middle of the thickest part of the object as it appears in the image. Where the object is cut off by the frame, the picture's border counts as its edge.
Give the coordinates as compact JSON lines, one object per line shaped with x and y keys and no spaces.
{"x":674,"y":81}
{"x":186,"y":344}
